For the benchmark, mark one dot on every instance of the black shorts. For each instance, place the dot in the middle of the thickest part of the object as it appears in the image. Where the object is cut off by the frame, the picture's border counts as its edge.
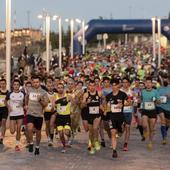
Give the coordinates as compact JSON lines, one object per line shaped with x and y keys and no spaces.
{"x":36,"y":121}
{"x":151,"y":114}
{"x":92,"y":117}
{"x":105,"y":117}
{"x":3,"y":113}
{"x":16,"y":117}
{"x":47,"y":115}
{"x":84,"y":114}
{"x":166,"y":113}
{"x":63,"y":120}
{"x":116,"y":122}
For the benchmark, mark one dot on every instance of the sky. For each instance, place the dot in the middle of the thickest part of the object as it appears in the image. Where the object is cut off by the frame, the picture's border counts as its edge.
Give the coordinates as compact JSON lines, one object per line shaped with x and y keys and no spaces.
{"x":82,"y":9}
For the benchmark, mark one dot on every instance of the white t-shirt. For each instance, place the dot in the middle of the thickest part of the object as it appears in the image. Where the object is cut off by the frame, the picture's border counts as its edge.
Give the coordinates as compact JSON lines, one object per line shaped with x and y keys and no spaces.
{"x":16,"y":102}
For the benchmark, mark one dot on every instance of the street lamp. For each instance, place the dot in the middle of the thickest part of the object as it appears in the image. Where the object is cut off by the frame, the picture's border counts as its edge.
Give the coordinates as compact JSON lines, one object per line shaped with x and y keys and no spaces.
{"x":72,"y":34}
{"x":159,"y":41}
{"x":60,"y":39}
{"x":154,"y":36}
{"x":8,"y":43}
{"x":82,"y":22}
{"x":47,"y":28}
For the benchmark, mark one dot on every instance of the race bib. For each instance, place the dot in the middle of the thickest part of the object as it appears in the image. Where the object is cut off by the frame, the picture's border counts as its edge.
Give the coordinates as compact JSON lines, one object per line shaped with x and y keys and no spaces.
{"x":61,"y":109}
{"x":33,"y":96}
{"x":2,"y":102}
{"x":163,"y":99}
{"x":49,"y":107}
{"x":16,"y":107}
{"x":149,"y":105}
{"x":115,"y":108}
{"x":127,"y":109}
{"x":94,"y":110}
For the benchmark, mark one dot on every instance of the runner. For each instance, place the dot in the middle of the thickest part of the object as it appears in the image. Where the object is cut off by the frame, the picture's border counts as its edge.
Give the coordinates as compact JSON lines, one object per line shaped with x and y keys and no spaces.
{"x":3,"y":109}
{"x":149,"y":99}
{"x":16,"y":100}
{"x":49,"y":115}
{"x":104,"y":124}
{"x":63,"y":111}
{"x":114,"y":104}
{"x":92,"y":101}
{"x":127,"y":110}
{"x":164,"y":109}
{"x":36,"y":100}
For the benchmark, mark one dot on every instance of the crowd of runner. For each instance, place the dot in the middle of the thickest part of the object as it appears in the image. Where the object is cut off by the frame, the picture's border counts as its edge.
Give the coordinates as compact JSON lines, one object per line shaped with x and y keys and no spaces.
{"x":102,"y":93}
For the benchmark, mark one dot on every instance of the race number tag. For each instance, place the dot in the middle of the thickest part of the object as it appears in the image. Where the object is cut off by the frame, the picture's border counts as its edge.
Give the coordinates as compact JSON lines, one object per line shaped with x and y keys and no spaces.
{"x":94,"y":110}
{"x":149,"y":105}
{"x":115,"y":108}
{"x":2,"y":101}
{"x":33,"y":96}
{"x":61,"y":109}
{"x":49,"y":107}
{"x":163,"y":99}
{"x":127,"y":109}
{"x":16,"y":106}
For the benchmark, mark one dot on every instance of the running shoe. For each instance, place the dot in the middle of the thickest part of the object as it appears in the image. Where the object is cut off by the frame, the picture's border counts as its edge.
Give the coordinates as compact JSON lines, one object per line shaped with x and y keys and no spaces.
{"x":97,"y":146}
{"x":50,"y":143}
{"x":37,"y":151}
{"x":143,"y":138}
{"x":63,"y":150}
{"x":149,"y":146}
{"x":92,"y":151}
{"x":103,"y":144}
{"x":114,"y":155}
{"x":30,"y":148}
{"x":125,"y":147}
{"x":164,"y":142}
{"x":17,"y":148}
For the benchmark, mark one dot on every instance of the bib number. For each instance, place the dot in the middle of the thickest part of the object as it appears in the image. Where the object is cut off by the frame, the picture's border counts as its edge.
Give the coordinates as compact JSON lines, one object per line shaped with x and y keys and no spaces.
{"x":127,"y":109}
{"x":163,"y":99}
{"x":149,"y":105}
{"x":61,"y":109}
{"x":94,"y":110}
{"x":33,"y":96}
{"x":115,"y":108}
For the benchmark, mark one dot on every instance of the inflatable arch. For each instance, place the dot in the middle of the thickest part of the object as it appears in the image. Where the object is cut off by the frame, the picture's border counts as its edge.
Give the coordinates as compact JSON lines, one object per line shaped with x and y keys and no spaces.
{"x":97,"y":26}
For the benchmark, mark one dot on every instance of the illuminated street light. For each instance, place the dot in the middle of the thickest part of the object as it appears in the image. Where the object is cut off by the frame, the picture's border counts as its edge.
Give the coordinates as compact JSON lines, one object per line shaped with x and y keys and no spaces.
{"x":46,"y":17}
{"x":8,"y":43}
{"x":55,"y":17}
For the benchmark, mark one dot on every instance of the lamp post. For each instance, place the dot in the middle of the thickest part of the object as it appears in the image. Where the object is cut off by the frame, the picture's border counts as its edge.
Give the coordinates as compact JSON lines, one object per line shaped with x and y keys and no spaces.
{"x":47,"y":28}
{"x":60,"y":39}
{"x":72,"y":36}
{"x":159,"y":41}
{"x":8,"y":43}
{"x":154,"y":37}
{"x":82,"y":22}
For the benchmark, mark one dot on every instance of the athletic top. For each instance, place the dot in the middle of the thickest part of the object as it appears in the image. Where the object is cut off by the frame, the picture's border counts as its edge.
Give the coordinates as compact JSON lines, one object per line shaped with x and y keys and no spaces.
{"x":94,"y":105}
{"x":148,"y":98}
{"x":3,"y":96}
{"x":113,"y":101}
{"x":34,"y":106}
{"x":16,"y":103}
{"x":165,"y":100}
{"x":63,"y":106}
{"x":49,"y":107}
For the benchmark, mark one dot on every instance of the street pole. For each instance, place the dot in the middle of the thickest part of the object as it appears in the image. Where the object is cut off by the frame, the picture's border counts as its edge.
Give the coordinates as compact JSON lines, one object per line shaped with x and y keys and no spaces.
{"x":72,"y":34}
{"x":8,"y":43}
{"x":154,"y":38}
{"x":47,"y":18}
{"x":159,"y":42}
{"x":60,"y":43}
{"x":83,"y":36}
